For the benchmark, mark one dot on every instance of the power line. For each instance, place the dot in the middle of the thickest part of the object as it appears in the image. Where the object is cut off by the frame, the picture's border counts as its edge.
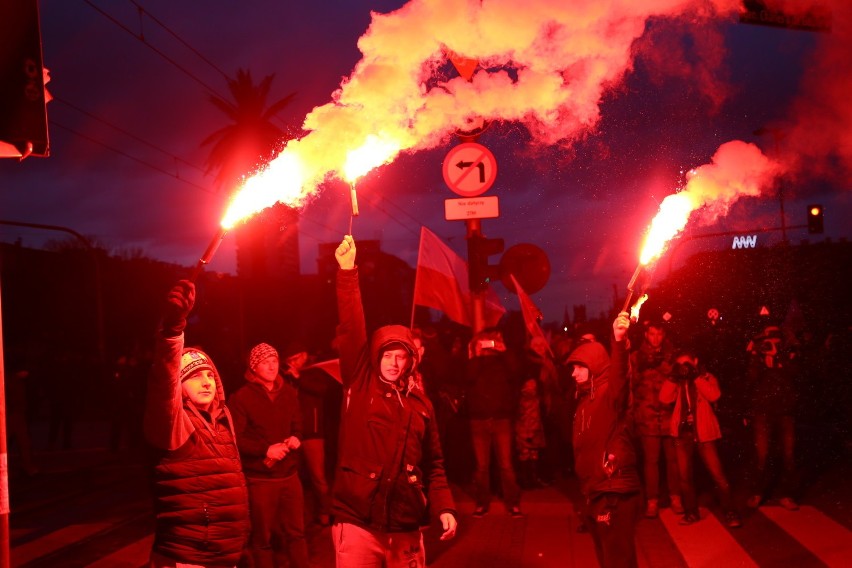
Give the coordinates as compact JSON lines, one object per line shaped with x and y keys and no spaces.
{"x":393,"y":218}
{"x":155,"y":50}
{"x":141,"y":37}
{"x":134,"y":158}
{"x":142,"y":10}
{"x":130,"y":134}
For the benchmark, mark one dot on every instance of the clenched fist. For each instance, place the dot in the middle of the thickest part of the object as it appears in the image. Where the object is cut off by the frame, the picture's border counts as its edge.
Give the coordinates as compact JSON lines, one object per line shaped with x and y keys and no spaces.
{"x":345,"y":253}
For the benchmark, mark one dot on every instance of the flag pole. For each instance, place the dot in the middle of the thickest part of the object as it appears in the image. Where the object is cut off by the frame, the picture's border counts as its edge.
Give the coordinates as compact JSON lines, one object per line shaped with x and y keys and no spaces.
{"x":416,"y":271}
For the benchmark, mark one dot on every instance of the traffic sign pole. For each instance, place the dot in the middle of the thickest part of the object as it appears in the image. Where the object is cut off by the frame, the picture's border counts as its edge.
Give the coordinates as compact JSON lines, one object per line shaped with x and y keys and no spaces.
{"x":469,"y":170}
{"x":477,"y":303}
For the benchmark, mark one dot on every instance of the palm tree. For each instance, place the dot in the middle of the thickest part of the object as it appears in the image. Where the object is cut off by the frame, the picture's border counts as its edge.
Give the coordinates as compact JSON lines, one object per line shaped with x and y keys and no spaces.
{"x":268,"y":243}
{"x":241,"y":147}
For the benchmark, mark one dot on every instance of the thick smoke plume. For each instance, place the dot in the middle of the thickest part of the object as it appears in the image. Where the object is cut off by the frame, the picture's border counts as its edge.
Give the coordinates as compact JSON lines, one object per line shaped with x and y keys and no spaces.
{"x":546,"y":64}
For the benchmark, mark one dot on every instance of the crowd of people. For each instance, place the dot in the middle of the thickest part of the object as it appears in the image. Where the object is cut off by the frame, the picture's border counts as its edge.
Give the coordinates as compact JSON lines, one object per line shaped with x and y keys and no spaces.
{"x":368,"y":445}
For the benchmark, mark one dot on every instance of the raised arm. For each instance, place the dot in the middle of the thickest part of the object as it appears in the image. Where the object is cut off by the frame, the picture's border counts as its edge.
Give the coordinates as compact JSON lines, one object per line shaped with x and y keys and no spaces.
{"x":618,"y":384}
{"x":165,"y":425}
{"x":352,"y":329}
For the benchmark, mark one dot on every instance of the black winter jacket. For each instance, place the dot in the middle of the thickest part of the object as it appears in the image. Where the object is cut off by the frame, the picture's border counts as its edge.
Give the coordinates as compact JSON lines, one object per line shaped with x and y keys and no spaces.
{"x":389,"y":456}
{"x":604,"y":456}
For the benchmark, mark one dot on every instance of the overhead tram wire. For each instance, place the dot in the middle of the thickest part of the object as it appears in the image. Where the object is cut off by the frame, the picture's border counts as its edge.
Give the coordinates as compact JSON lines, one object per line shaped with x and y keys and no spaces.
{"x":157,"y":51}
{"x":143,"y":10}
{"x":393,"y":218}
{"x":130,"y":134}
{"x":134,"y":158}
{"x":140,"y":37}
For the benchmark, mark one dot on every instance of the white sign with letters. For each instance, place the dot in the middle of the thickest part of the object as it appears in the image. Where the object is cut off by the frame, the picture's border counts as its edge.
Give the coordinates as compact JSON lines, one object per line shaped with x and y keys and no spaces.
{"x":471,"y":208}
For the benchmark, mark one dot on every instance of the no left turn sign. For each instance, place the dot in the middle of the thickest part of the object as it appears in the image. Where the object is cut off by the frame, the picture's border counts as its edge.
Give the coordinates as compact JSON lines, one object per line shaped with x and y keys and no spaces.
{"x":470,"y":169}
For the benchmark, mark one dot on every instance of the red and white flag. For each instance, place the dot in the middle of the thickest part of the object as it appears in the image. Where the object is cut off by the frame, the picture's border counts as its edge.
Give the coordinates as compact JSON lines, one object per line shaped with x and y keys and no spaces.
{"x":441,"y":282}
{"x":331,"y":367}
{"x":532,"y":315}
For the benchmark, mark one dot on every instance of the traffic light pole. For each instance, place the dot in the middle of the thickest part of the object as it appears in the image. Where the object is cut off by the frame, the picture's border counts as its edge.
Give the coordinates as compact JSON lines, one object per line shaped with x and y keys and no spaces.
{"x":477,"y":298}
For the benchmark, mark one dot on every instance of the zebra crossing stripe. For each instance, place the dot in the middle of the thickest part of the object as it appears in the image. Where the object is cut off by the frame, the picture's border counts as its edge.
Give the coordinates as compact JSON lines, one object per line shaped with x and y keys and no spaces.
{"x":54,"y":541}
{"x":706,"y":543}
{"x":127,"y":557}
{"x":823,"y":537}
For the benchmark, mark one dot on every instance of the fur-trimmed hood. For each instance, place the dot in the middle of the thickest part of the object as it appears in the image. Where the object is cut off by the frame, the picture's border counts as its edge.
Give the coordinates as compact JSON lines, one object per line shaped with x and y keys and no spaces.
{"x":388,"y":335}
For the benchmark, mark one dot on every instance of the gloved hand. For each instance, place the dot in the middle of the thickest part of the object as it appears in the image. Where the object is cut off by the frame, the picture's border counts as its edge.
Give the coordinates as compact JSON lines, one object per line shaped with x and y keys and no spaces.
{"x":179,"y":303}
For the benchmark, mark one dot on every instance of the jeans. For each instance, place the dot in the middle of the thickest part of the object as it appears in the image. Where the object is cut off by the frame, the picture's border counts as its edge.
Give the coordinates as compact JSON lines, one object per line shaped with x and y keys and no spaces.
{"x":686,"y":446}
{"x":651,"y":446}
{"x":277,"y":506}
{"x":494,"y":433}
{"x":361,"y":547}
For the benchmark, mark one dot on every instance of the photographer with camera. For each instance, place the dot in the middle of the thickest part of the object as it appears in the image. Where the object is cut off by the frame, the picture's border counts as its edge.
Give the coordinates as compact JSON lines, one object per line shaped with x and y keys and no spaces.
{"x":773,"y":394}
{"x":694,"y":426}
{"x":650,"y":366}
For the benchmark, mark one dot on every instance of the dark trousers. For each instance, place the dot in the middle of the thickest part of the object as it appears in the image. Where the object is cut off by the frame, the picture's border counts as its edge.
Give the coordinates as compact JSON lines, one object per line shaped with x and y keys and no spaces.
{"x":611,"y":519}
{"x":686,"y":446}
{"x":313,"y":452}
{"x":783,"y":428}
{"x":651,"y":446}
{"x":494,"y":433}
{"x":277,"y":507}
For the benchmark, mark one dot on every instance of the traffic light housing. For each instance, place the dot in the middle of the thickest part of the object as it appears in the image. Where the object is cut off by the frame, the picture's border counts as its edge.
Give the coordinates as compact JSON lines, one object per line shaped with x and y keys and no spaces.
{"x":815,"y":219}
{"x":23,"y":119}
{"x":480,"y":273}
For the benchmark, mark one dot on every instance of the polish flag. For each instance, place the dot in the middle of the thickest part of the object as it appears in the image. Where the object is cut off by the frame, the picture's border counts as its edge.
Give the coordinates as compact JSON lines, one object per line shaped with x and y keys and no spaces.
{"x":532,"y":315}
{"x":331,"y":367}
{"x":441,"y":283}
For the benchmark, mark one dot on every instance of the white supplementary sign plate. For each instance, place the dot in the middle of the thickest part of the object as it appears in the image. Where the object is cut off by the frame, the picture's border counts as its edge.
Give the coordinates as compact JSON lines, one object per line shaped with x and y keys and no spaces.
{"x":471,"y":208}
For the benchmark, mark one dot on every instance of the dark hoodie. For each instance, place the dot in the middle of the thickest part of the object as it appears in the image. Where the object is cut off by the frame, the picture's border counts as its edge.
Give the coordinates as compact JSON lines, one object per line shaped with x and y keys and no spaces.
{"x":265,"y":417}
{"x":389,"y":456}
{"x":604,"y":456}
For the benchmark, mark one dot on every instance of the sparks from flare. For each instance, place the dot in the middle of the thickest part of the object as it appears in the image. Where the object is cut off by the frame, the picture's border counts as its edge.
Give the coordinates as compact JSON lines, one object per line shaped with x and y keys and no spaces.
{"x":634,"y":309}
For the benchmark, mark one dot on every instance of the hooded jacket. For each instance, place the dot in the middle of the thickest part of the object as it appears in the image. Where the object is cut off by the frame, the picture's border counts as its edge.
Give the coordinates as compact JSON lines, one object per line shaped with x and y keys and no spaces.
{"x":200,"y":495}
{"x":265,"y":417}
{"x":389,"y":456}
{"x":604,"y":456}
{"x":706,"y":392}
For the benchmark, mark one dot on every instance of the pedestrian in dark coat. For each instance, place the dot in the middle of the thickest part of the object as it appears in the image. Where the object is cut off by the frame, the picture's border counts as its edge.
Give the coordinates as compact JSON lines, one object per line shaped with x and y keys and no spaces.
{"x":200,"y":496}
{"x":390,"y":471}
{"x":650,"y":366}
{"x":269,"y":429}
{"x":492,"y":403}
{"x":604,"y":456}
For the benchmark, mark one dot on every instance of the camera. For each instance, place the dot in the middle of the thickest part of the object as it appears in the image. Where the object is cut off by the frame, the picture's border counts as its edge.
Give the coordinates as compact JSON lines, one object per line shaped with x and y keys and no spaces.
{"x":684,"y":371}
{"x":688,"y":424}
{"x":487,"y":344}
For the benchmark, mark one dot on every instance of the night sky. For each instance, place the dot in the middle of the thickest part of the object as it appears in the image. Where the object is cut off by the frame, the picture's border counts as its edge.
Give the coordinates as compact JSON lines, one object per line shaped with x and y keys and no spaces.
{"x":127,"y":169}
